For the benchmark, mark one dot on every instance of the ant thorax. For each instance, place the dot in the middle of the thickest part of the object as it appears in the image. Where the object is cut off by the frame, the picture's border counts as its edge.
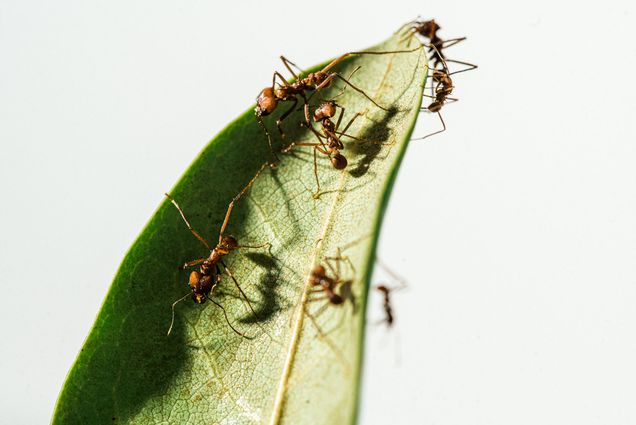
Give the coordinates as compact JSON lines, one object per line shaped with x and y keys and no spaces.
{"x":328,"y":125}
{"x":316,"y":78}
{"x":288,"y":92}
{"x":209,"y":265}
{"x":334,"y":144}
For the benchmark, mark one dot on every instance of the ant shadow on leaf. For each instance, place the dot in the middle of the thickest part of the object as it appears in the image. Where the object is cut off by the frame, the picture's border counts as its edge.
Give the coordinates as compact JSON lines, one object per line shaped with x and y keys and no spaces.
{"x":267,"y":287}
{"x":379,"y":130}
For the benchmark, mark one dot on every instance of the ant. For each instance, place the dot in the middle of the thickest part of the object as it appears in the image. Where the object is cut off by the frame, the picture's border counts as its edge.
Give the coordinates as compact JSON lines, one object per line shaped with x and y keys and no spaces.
{"x":428,"y":29}
{"x":440,"y":91}
{"x":388,"y":310}
{"x":203,"y":282}
{"x":323,"y":283}
{"x":323,"y":114}
{"x":268,"y":99}
{"x":386,"y":291}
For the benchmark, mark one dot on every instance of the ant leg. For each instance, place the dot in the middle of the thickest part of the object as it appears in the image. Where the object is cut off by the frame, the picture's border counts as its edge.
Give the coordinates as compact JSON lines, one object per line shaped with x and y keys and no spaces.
{"x":227,"y":319}
{"x":339,"y":121}
{"x":229,"y":273}
{"x":436,"y":132}
{"x":451,"y":42}
{"x":194,"y":232}
{"x":339,"y":258}
{"x":269,"y":138}
{"x":470,"y":66}
{"x":173,"y":305}
{"x":324,"y":149}
{"x":236,"y":198}
{"x":407,"y":37}
{"x":253,"y":246}
{"x":335,"y":271}
{"x":405,"y":25}
{"x":287,"y":62}
{"x":372,"y":142}
{"x":295,"y":144}
{"x":341,"y":92}
{"x":355,"y":117}
{"x":313,"y":300}
{"x":335,"y":74}
{"x":280,"y":76}
{"x":345,"y":87}
{"x":344,"y":134}
{"x":306,"y":107}
{"x":396,"y":277}
{"x":317,"y":194}
{"x":340,"y":58}
{"x":285,"y":115}
{"x":192,"y":263}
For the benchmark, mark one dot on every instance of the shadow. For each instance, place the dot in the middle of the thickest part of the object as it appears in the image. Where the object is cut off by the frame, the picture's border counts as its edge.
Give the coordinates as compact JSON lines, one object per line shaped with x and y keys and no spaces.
{"x":347,"y":294}
{"x":369,"y":151}
{"x":267,"y":288}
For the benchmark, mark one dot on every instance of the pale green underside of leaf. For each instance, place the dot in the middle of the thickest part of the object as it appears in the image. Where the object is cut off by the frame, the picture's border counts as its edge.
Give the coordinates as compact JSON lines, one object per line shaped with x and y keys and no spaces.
{"x":128,"y":370}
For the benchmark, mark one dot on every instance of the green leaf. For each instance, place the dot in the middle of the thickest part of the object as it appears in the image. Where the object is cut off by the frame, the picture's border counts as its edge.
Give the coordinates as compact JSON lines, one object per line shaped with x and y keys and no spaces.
{"x":302,"y":365}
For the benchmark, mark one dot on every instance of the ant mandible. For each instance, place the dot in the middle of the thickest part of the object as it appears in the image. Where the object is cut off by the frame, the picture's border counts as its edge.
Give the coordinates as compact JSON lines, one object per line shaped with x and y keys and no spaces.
{"x":204,"y":281}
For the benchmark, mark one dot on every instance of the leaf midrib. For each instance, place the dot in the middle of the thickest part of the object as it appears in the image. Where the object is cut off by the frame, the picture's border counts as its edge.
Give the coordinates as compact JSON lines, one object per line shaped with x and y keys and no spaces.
{"x":279,"y":400}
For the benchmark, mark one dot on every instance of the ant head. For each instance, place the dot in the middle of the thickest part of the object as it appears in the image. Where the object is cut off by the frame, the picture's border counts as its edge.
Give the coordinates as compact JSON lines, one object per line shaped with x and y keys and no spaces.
{"x":382,"y":288}
{"x":319,"y":271}
{"x":266,"y":102}
{"x":327,"y":109}
{"x":227,"y":244}
{"x":429,"y":28}
{"x":339,"y":162}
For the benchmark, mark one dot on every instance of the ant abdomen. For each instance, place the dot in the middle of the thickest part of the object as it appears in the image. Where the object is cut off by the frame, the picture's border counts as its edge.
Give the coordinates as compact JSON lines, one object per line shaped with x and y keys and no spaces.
{"x":335,"y":299}
{"x":435,"y":106}
{"x":339,"y":162}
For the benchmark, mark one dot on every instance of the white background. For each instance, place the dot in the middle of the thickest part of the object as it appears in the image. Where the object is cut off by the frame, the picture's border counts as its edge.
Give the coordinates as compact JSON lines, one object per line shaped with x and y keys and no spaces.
{"x":515,"y":229}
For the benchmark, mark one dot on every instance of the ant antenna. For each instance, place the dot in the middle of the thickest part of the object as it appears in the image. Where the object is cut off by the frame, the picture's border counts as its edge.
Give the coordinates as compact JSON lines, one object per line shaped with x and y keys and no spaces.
{"x":227,"y":319}
{"x":173,"y":305}
{"x":345,"y":87}
{"x":441,"y":58}
{"x":194,"y":232}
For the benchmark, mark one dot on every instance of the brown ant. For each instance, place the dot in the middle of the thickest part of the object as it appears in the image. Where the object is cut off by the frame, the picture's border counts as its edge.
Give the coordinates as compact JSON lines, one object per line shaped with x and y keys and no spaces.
{"x":386,"y":292}
{"x":388,"y":310}
{"x":268,"y":99}
{"x":428,"y":29}
{"x":204,"y":281}
{"x":443,"y":87}
{"x":333,"y":145}
{"x":322,"y":282}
